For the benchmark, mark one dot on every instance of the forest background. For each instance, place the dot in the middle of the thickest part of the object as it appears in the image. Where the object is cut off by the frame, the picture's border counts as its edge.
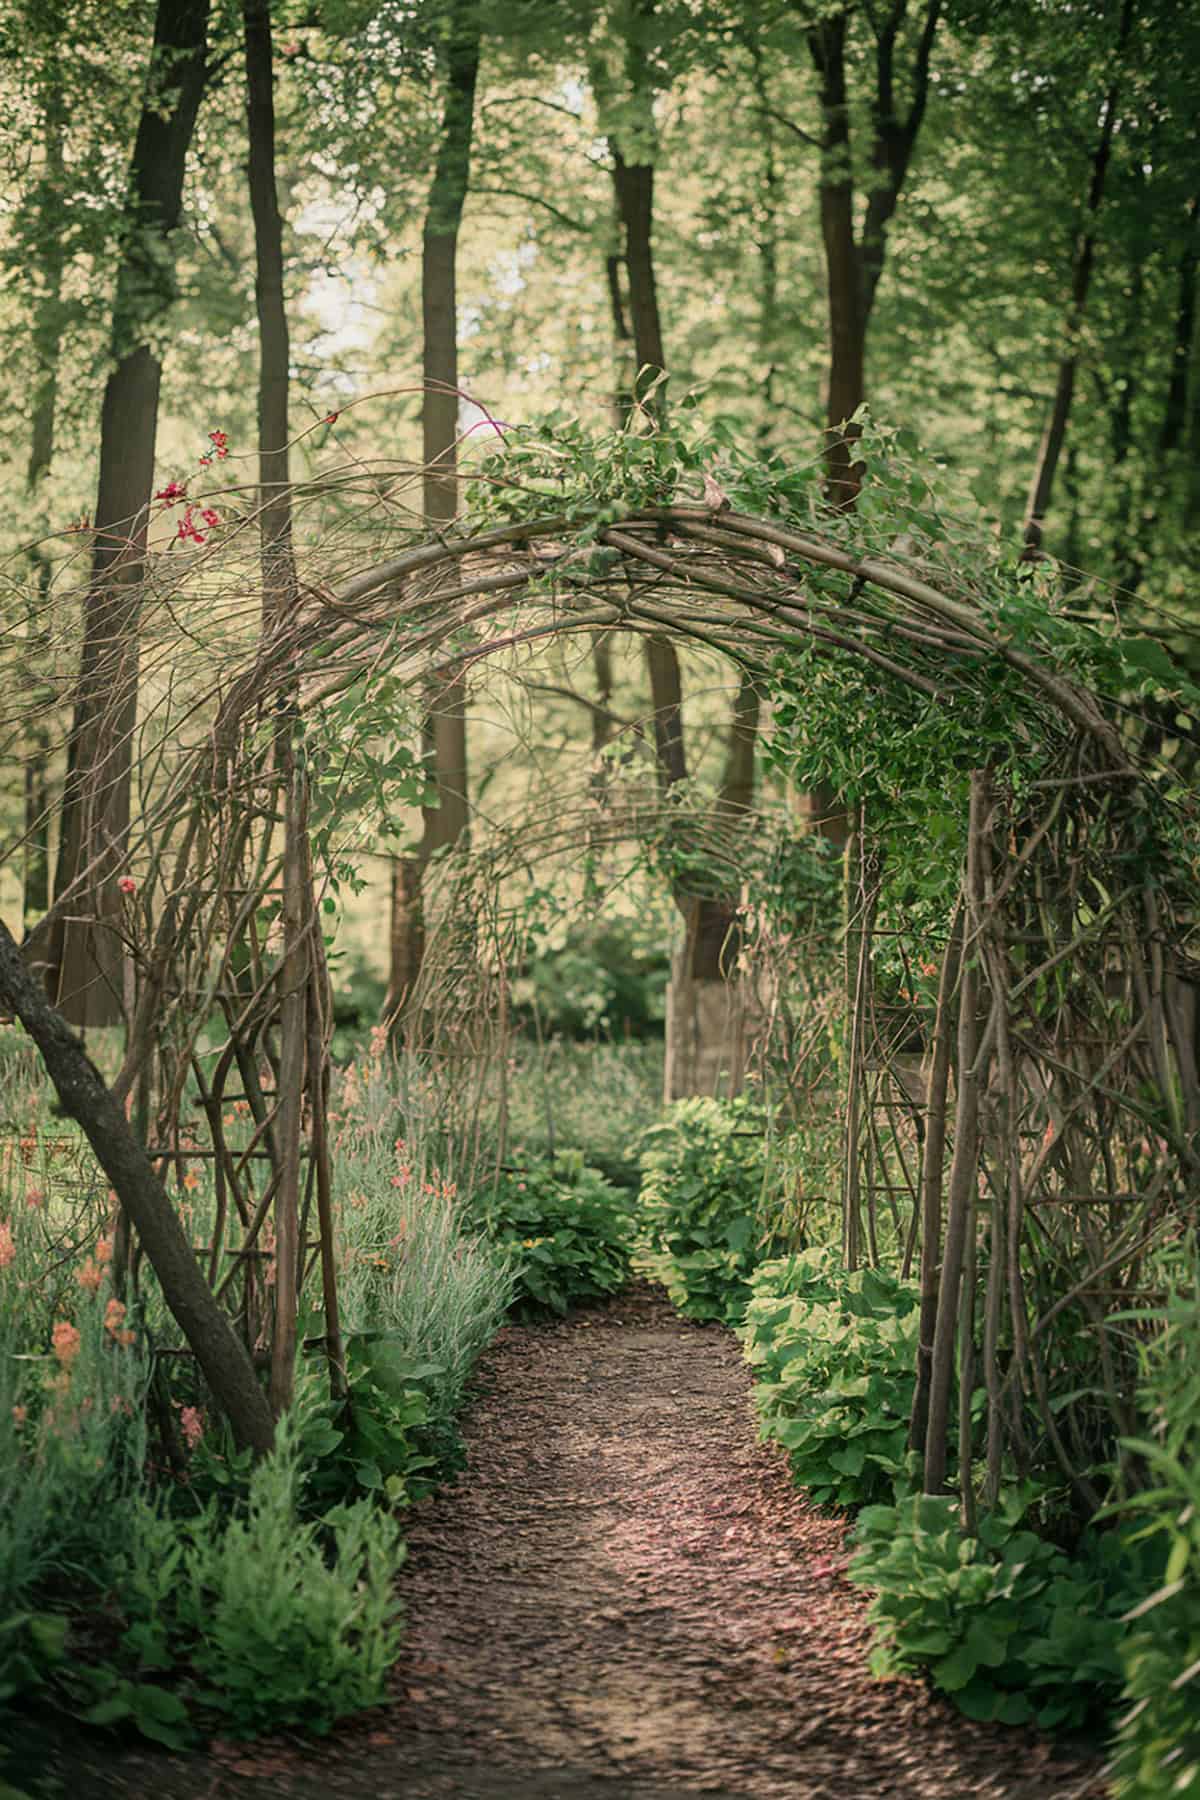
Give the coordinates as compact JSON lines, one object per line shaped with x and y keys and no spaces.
{"x":981,"y":220}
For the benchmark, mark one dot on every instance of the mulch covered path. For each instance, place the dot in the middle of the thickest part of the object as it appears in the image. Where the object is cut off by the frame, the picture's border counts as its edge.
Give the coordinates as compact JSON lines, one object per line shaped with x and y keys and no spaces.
{"x":625,"y":1599}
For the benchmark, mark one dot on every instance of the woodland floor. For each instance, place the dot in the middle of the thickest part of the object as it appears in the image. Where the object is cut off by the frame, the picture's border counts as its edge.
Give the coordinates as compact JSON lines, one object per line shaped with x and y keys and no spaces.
{"x":624,"y":1600}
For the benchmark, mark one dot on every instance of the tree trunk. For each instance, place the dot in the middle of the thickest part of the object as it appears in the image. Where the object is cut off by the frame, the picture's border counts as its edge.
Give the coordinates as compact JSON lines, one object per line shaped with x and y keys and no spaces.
{"x":853,"y":268}
{"x":846,"y":384}
{"x":274,"y":473}
{"x":47,"y":343}
{"x":223,"y":1359}
{"x":84,"y":956}
{"x":445,"y":725}
{"x":1041,"y":487}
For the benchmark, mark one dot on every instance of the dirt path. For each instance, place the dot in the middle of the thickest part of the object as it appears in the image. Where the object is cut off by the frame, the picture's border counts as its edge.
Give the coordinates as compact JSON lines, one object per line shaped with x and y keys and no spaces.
{"x":625,"y":1600}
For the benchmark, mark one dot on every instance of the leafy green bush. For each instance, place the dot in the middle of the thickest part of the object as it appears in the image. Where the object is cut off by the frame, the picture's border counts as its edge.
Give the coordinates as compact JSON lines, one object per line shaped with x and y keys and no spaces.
{"x":1005,"y":1622}
{"x":284,"y":1622}
{"x":567,"y":1231}
{"x":703,"y":1173}
{"x":1158,"y":1750}
{"x":833,"y":1356}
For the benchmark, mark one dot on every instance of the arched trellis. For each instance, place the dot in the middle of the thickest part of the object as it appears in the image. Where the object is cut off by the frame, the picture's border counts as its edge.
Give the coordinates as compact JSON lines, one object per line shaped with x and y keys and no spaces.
{"x":1057,"y":1102}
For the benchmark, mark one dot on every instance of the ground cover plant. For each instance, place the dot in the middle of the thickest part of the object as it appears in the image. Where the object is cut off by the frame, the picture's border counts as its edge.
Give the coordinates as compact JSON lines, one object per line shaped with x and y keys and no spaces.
{"x":565,"y":1232}
{"x":833,"y":1358}
{"x":705,"y":1206}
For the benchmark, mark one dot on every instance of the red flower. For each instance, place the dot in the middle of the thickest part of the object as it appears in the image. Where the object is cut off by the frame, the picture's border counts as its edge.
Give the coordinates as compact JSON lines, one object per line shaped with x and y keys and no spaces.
{"x":174,"y":490}
{"x":220,"y":442}
{"x":127,"y":884}
{"x":331,"y":418}
{"x":187,"y":529}
{"x":210,"y":517}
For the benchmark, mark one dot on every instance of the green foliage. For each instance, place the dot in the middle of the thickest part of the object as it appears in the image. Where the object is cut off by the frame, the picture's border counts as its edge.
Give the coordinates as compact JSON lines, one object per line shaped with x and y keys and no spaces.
{"x":833,"y":1356}
{"x":596,"y":1097}
{"x":1005,"y":1622}
{"x":704,"y":1168}
{"x":285,"y":1622}
{"x":596,"y":981}
{"x":566,"y":1230}
{"x":72,"y":1447}
{"x":1158,"y":1750}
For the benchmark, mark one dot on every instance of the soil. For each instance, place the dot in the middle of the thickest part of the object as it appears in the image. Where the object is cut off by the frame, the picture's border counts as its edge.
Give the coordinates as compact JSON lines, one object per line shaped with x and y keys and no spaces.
{"x":623,"y":1599}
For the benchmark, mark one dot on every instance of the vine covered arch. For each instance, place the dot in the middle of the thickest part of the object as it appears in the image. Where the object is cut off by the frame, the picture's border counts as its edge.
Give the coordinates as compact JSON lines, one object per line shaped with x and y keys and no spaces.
{"x":1043,"y":1068}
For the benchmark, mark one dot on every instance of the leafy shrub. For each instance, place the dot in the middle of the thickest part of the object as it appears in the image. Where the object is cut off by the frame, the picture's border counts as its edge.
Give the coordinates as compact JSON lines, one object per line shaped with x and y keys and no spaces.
{"x":833,"y":1356}
{"x":566,"y":1230}
{"x":703,"y":1172}
{"x":1158,"y":1750}
{"x":1006,"y":1622}
{"x":284,"y":1622}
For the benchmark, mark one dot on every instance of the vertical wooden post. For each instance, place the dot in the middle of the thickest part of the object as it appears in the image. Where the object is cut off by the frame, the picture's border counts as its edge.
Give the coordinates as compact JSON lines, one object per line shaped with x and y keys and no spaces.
{"x":964,"y":1166}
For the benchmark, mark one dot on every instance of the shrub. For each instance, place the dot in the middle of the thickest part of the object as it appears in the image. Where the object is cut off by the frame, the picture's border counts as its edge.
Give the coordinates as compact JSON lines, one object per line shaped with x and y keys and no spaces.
{"x":833,"y":1356}
{"x":566,"y":1230}
{"x":284,"y":1622}
{"x":703,"y":1172}
{"x":1158,"y":1749}
{"x":1005,"y":1622}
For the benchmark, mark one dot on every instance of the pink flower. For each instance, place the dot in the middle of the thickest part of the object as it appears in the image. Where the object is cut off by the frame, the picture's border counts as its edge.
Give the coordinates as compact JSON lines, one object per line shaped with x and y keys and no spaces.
{"x":8,"y":1249}
{"x":191,"y":1421}
{"x":187,"y":529}
{"x":34,"y":1197}
{"x":90,"y":1276}
{"x":127,"y":884}
{"x":210,"y":517}
{"x":65,"y":1340}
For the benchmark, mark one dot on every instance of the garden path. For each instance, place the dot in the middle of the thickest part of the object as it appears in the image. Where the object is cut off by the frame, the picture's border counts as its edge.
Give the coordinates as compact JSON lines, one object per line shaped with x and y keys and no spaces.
{"x":626,"y":1600}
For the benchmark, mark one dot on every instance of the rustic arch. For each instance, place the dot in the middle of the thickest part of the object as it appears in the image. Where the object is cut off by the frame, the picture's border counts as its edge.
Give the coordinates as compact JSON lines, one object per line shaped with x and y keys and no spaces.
{"x":223,"y":922}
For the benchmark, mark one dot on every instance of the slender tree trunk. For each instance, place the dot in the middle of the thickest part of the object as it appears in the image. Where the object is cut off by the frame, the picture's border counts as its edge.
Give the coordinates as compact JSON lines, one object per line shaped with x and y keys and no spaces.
{"x":853,"y":267}
{"x":846,"y":384}
{"x":223,"y":1359}
{"x":768,"y":247}
{"x":1041,"y":487}
{"x":84,"y":956}
{"x":444,"y":728}
{"x":47,"y":343}
{"x":274,"y":473}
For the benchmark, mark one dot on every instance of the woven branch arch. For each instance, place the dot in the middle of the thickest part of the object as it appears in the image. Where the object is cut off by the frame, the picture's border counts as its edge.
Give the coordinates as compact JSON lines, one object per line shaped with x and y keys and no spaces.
{"x":1037,"y":1146}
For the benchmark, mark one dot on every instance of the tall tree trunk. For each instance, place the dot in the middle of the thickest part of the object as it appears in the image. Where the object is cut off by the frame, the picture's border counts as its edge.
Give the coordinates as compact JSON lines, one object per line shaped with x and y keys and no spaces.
{"x":768,"y":246}
{"x":853,"y":266}
{"x":703,"y":1012}
{"x":445,"y":725}
{"x":846,"y":384}
{"x":1041,"y":488}
{"x":274,"y":471}
{"x":47,"y":343}
{"x":84,"y":953}
{"x":223,"y":1359}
